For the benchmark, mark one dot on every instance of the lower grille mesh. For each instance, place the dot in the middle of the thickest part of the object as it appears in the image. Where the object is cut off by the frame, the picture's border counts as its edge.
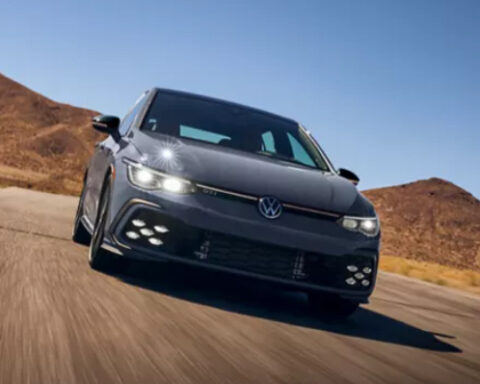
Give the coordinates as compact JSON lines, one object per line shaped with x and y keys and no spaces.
{"x":251,"y":256}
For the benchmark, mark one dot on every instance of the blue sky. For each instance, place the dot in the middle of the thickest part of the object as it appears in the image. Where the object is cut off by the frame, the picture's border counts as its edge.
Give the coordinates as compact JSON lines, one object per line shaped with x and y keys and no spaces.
{"x":391,"y":89}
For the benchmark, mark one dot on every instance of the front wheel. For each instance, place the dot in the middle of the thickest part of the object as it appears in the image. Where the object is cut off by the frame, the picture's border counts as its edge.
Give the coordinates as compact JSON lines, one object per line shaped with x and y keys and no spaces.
{"x":99,"y":258}
{"x":80,"y":235}
{"x":332,"y":305}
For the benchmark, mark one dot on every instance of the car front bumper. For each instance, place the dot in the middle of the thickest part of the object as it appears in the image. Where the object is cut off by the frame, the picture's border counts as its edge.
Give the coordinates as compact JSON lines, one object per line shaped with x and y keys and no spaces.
{"x":225,"y":249}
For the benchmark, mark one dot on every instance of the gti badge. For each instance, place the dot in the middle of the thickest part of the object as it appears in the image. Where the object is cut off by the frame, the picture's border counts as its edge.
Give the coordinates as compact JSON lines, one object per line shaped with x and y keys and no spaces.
{"x":269,"y":207}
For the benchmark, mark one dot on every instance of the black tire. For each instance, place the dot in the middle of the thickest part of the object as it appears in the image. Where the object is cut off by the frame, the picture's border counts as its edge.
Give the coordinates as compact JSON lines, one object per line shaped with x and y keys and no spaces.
{"x":99,"y":258}
{"x":332,"y":305}
{"x":80,"y":235}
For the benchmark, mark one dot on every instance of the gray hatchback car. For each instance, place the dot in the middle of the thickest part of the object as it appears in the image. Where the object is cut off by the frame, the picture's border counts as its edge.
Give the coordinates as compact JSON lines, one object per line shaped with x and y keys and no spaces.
{"x":196,"y":180}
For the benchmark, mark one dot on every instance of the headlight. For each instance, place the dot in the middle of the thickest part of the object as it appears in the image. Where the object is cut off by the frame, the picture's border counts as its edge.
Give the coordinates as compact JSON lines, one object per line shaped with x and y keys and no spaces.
{"x":369,"y":226}
{"x":148,"y":178}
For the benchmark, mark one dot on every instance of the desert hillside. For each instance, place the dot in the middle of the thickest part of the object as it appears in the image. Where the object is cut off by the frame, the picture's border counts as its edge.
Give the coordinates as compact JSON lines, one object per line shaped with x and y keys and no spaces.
{"x":45,"y":144}
{"x":430,"y":220}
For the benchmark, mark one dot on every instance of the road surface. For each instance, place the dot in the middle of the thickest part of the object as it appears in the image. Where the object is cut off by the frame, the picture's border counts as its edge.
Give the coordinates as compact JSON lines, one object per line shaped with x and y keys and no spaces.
{"x":61,"y":322}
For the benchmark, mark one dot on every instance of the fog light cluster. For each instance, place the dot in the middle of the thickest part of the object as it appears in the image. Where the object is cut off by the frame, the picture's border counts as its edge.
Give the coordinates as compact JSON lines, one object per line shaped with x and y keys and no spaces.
{"x":146,"y":232}
{"x":358,"y":277}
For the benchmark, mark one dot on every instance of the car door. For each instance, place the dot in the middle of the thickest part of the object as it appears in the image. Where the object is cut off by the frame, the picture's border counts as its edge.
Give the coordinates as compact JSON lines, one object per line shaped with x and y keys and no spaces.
{"x":102,"y":159}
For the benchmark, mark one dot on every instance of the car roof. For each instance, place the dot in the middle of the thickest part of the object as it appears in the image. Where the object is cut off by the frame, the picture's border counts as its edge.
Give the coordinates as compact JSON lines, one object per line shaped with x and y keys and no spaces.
{"x":216,"y":100}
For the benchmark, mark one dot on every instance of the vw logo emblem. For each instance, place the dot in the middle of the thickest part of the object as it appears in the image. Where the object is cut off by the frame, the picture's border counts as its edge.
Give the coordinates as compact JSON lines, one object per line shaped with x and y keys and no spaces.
{"x":270,"y":207}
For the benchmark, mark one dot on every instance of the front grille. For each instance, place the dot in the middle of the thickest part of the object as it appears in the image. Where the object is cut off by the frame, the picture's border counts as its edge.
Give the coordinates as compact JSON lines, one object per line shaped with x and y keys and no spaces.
{"x":249,"y":256}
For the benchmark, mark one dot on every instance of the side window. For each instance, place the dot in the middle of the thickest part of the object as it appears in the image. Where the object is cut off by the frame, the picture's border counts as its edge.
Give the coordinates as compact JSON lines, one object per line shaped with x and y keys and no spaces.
{"x":298,"y":151}
{"x":132,"y":114}
{"x":268,"y":142}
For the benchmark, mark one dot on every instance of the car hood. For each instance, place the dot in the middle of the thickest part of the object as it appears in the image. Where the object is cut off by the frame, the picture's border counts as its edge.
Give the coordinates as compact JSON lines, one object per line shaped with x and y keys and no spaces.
{"x":238,"y":171}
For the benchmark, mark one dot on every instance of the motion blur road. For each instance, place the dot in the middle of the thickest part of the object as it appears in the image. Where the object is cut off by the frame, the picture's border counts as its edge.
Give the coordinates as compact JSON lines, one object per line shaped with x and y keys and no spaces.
{"x":61,"y":322}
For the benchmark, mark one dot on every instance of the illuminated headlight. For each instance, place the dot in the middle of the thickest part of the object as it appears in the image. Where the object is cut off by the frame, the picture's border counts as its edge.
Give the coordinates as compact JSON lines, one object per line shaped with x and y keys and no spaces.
{"x":148,"y":178}
{"x":369,"y":226}
{"x":172,"y":185}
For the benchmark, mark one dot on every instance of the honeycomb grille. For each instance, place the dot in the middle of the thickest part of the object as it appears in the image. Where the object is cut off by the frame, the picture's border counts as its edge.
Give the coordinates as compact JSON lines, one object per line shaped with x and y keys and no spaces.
{"x":249,"y":256}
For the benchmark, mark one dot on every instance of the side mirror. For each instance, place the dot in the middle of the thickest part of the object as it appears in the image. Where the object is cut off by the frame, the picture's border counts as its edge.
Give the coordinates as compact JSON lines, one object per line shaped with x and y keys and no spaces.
{"x":106,"y":124}
{"x":349,"y":175}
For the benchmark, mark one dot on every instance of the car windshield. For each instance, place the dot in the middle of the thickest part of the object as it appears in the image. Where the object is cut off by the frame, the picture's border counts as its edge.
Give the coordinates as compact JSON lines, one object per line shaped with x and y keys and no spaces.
{"x":232,"y":126}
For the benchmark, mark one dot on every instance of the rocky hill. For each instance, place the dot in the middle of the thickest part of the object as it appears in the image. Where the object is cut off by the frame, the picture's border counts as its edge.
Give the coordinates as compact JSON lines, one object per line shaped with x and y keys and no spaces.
{"x":45,"y":144}
{"x":430,"y":220}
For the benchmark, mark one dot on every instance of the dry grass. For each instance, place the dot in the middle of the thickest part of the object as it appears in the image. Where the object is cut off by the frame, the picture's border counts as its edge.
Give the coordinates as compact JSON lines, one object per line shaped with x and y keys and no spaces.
{"x":434,"y":273}
{"x":60,"y":182}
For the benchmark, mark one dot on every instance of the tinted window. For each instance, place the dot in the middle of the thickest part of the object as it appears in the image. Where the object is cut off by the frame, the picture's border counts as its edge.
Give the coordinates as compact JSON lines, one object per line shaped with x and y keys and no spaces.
{"x":299,"y":152}
{"x":231,"y":126}
{"x":201,"y":134}
{"x":268,"y":142}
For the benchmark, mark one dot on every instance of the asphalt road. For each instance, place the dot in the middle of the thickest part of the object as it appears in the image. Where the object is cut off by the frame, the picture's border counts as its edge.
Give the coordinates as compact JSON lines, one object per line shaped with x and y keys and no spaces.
{"x":61,"y":322}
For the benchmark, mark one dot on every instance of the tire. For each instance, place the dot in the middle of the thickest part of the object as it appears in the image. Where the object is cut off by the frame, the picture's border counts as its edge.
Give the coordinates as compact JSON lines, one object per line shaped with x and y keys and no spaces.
{"x":99,"y":258}
{"x":332,"y":305}
{"x":80,"y":235}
